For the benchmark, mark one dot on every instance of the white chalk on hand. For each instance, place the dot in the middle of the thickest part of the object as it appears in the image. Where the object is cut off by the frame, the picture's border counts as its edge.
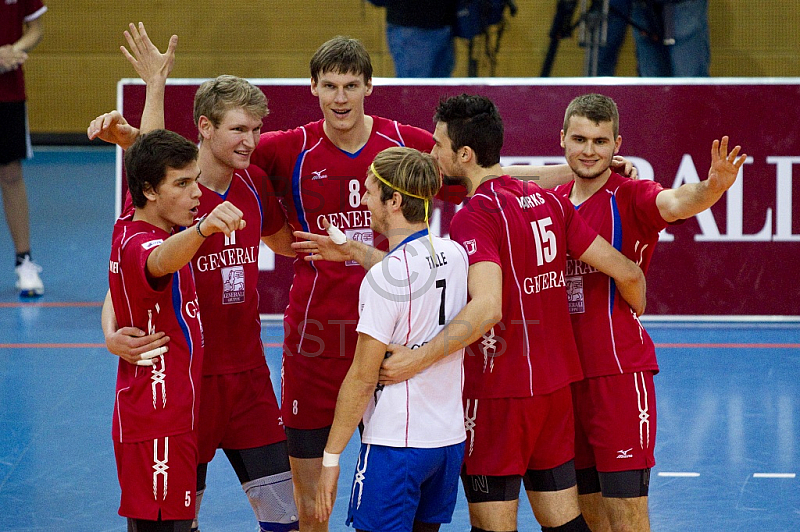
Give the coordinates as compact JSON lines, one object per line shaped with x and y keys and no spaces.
{"x":336,"y":234}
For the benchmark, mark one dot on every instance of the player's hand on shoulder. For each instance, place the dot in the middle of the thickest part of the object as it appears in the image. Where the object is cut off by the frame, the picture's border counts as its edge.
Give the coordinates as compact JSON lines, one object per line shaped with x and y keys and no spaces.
{"x":133,"y":346}
{"x":624,"y":167}
{"x":225,"y":218}
{"x":112,"y":128}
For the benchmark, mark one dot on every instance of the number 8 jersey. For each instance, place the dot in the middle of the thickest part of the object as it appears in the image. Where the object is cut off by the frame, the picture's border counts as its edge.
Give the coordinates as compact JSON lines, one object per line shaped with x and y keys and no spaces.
{"x":314,"y":178}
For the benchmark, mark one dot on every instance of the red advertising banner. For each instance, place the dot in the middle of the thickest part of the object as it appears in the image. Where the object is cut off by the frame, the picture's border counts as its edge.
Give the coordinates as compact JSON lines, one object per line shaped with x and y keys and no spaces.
{"x":742,"y":257}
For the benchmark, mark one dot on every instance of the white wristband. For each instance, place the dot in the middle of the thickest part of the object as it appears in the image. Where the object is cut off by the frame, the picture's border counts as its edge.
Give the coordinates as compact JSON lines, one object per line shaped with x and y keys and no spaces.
{"x":336,"y":234}
{"x":330,"y":459}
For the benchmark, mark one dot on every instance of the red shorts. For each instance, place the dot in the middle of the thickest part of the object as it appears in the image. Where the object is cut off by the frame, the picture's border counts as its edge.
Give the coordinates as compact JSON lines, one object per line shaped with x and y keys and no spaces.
{"x":615,"y":422}
{"x":309,"y":388}
{"x":158,"y":477}
{"x":238,"y":411}
{"x":510,"y":436}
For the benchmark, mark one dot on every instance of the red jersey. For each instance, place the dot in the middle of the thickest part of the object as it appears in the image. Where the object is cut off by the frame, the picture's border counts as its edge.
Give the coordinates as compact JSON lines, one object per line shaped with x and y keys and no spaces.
{"x":13,"y":16}
{"x":162,"y":400}
{"x":610,"y":338}
{"x":314,"y":178}
{"x":527,"y":231}
{"x":226,"y":271}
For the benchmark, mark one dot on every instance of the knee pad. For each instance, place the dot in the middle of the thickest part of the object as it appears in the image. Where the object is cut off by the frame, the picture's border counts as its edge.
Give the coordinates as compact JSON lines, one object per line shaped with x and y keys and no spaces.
{"x":272,"y":499}
{"x":555,"y":479}
{"x":482,"y":488}
{"x":576,"y":525}
{"x":625,"y":484}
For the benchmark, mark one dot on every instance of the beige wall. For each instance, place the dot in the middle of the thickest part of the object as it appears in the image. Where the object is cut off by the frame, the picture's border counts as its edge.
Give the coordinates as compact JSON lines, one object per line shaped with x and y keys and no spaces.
{"x":72,"y":75}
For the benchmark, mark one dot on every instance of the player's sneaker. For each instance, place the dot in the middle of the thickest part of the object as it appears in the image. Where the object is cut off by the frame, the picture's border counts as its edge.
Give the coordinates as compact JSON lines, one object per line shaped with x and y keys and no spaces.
{"x":29,"y":283}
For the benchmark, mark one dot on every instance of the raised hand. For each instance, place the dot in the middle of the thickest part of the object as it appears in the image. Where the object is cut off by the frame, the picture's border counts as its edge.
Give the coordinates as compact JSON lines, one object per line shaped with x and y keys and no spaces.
{"x":112,"y":127}
{"x":724,"y":166}
{"x":151,"y":65}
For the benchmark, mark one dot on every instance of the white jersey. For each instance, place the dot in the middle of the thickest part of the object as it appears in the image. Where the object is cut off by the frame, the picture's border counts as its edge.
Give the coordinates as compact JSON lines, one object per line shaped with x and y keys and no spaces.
{"x":407,"y":299}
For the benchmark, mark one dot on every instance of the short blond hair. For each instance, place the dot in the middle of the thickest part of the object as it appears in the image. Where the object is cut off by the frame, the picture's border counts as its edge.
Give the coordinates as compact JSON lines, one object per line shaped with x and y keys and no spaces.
{"x":408,"y":170}
{"x":595,"y":107}
{"x":217,"y":96}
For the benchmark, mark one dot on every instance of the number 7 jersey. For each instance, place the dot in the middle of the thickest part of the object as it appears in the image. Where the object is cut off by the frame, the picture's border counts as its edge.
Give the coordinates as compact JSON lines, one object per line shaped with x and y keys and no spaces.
{"x":314,"y":178}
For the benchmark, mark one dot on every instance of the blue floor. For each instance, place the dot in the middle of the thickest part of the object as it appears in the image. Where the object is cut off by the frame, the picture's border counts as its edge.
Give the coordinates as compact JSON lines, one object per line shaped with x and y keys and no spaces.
{"x":728,"y":394}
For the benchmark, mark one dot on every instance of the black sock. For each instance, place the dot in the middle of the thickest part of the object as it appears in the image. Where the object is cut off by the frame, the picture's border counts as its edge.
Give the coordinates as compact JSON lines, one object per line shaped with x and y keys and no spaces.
{"x":21,"y":257}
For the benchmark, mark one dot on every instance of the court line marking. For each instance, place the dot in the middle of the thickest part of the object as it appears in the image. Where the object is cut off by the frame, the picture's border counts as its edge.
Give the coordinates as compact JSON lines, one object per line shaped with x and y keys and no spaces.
{"x":727,"y":346}
{"x":278,"y":344}
{"x":679,"y":474}
{"x":52,"y":304}
{"x":75,"y":346}
{"x":49,"y":346}
{"x":774,"y":475}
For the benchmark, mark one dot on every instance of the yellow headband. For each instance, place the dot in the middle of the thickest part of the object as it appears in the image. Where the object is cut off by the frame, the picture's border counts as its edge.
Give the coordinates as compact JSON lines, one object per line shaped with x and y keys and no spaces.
{"x":395,"y":187}
{"x":401,"y":191}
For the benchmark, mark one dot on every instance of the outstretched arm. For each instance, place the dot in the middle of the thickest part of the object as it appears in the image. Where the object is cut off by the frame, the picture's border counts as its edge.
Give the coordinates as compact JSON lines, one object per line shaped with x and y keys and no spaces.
{"x":691,"y":198}
{"x":552,"y":175}
{"x":483,"y":311}
{"x":321,"y":247}
{"x":177,"y":250}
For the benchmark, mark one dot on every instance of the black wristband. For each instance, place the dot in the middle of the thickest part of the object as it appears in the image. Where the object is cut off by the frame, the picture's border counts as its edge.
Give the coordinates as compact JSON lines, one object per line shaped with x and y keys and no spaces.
{"x":197,"y":227}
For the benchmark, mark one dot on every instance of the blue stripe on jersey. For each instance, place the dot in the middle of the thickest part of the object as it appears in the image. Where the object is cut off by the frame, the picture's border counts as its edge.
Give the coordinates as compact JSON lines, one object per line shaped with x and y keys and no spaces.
{"x":177,"y":307}
{"x":616,"y":241}
{"x":298,"y":201}
{"x":252,"y":189}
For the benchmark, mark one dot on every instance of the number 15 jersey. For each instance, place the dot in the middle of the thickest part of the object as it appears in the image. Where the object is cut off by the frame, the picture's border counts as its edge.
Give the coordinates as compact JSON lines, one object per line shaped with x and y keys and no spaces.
{"x":527,"y":231}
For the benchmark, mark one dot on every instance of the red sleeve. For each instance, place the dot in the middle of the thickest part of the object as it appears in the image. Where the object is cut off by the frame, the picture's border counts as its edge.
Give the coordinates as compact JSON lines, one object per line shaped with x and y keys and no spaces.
{"x":477,"y":231}
{"x":416,"y":138}
{"x":273,"y":217}
{"x":579,"y":234}
{"x":31,"y":7}
{"x":134,"y":261}
{"x":643,"y":200}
